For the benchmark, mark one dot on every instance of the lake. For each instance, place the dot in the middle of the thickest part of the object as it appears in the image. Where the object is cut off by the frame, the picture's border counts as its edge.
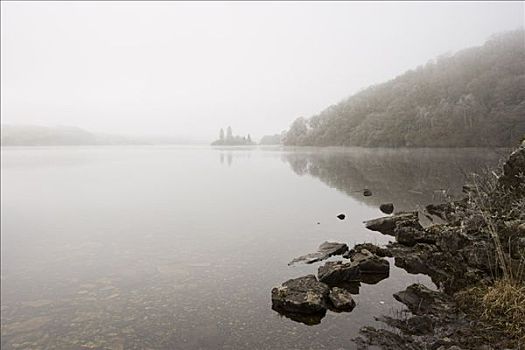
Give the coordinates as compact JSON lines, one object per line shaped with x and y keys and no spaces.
{"x":178,"y":247}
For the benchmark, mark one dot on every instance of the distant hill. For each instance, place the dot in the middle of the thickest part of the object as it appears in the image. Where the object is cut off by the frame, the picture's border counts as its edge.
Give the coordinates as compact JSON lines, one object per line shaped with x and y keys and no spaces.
{"x":32,"y":135}
{"x":473,"y":98}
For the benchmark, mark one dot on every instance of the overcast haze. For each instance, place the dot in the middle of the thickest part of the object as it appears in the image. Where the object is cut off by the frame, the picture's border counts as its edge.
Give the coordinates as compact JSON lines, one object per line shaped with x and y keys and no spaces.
{"x":189,"y":69}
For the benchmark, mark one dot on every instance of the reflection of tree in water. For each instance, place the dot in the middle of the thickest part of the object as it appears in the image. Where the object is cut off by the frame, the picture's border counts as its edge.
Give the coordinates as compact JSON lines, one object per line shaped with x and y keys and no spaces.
{"x":407,"y":178}
{"x":229,"y":158}
{"x":233,"y":152}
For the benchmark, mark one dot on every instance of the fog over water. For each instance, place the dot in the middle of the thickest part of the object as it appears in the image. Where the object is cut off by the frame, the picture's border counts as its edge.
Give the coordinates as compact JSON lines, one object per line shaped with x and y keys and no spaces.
{"x":188,"y":69}
{"x":178,"y":247}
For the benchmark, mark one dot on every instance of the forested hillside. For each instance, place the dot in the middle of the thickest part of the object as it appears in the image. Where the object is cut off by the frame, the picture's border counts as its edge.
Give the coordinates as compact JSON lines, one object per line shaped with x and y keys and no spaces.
{"x":475,"y":97}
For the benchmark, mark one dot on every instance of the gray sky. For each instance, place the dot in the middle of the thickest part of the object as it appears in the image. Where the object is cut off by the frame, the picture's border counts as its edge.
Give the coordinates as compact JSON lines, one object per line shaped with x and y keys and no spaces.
{"x":173,"y":68}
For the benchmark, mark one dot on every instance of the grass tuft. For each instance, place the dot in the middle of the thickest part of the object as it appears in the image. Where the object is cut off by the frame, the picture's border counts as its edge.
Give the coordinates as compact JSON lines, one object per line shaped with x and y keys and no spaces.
{"x":500,"y":310}
{"x":504,"y":304}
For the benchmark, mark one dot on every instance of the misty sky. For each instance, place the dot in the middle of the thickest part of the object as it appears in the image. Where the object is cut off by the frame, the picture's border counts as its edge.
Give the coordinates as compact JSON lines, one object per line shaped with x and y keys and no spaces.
{"x":173,"y":68}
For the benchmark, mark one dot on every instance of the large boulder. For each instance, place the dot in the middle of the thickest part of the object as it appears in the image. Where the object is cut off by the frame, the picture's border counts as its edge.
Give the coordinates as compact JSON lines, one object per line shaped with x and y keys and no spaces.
{"x":325,"y":250}
{"x":305,"y":295}
{"x":387,"y":225}
{"x":337,"y":272}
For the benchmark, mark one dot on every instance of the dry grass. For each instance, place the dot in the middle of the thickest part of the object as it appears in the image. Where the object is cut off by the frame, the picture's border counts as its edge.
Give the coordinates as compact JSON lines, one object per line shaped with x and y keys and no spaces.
{"x":500,"y":308}
{"x":497,"y":206}
{"x":504,"y":304}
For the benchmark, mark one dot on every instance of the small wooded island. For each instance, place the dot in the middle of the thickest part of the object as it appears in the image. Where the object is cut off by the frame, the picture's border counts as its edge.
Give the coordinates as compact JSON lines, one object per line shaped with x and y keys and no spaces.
{"x":231,"y":140}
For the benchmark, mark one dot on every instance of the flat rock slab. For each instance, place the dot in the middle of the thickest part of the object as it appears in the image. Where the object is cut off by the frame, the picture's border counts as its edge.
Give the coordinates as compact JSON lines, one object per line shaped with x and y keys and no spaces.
{"x":325,"y":250}
{"x":336,"y":272}
{"x":387,"y":225}
{"x":363,"y":264}
{"x":303,"y":295}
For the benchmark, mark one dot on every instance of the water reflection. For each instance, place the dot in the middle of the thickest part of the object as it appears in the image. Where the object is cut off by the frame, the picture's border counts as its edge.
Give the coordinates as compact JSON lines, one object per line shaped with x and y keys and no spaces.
{"x":228,"y":153}
{"x":406,"y":178}
{"x":307,"y":319}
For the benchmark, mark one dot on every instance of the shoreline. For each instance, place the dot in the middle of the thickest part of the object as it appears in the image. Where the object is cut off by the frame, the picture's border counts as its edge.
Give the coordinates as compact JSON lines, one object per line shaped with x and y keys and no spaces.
{"x":477,"y":249}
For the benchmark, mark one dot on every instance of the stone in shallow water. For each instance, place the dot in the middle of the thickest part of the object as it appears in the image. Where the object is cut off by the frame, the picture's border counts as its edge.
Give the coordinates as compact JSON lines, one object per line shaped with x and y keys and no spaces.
{"x":341,"y":300}
{"x":325,"y":250}
{"x":379,"y":251}
{"x":341,"y":216}
{"x":387,"y":208}
{"x":335,"y":272}
{"x":369,"y":263}
{"x":303,"y":295}
{"x":363,"y":264}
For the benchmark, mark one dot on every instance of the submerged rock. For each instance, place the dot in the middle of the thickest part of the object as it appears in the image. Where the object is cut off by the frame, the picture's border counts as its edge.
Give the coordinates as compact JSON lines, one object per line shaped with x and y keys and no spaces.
{"x":303,"y":295}
{"x":341,"y":300}
{"x":384,"y":339}
{"x":387,"y":225}
{"x":415,"y":325}
{"x":341,"y":216}
{"x":335,"y":272}
{"x":387,"y":208}
{"x":325,"y":250}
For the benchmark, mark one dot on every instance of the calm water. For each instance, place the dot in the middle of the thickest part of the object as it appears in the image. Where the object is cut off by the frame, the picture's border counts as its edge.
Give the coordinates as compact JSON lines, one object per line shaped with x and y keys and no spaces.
{"x":179,"y":247}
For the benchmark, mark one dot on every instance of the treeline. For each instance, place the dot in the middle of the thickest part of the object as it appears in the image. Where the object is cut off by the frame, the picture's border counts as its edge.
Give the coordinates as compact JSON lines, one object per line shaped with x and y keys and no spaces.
{"x":473,"y":98}
{"x":275,"y":139}
{"x":231,"y":140}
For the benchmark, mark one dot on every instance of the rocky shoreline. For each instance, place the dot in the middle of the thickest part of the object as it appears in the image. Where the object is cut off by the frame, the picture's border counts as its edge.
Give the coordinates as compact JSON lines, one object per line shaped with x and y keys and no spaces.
{"x":481,"y":238}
